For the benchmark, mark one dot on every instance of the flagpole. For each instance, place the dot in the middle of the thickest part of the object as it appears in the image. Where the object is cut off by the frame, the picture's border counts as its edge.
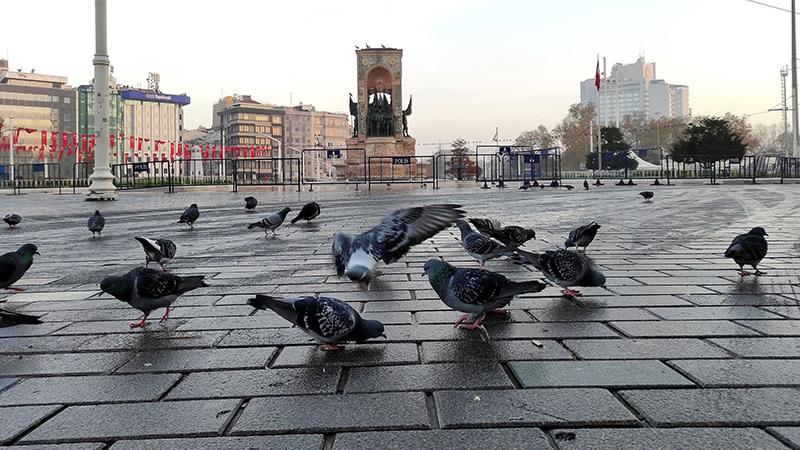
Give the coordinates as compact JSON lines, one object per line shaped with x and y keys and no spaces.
{"x":599,"y":136}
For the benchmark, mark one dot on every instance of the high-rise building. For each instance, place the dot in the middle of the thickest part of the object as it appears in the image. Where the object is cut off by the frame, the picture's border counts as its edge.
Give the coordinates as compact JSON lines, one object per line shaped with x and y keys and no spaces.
{"x":115,"y":117}
{"x":633,"y":89}
{"x":154,"y":116}
{"x":246,"y":122}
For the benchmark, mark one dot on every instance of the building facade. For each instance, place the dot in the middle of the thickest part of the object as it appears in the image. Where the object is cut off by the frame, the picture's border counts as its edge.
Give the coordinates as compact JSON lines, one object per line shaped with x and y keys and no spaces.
{"x":246,"y":122}
{"x":634,"y":88}
{"x":116,"y":118}
{"x":155,"y":117}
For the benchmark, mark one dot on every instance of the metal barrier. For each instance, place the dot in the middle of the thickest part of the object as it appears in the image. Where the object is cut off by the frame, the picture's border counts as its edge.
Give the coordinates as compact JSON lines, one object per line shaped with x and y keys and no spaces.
{"x":701,"y":166}
{"x":465,"y":167}
{"x":789,"y":168}
{"x":334,"y":166}
{"x":144,"y":174}
{"x":534,"y":164}
{"x":401,"y":169}
{"x":41,"y":175}
{"x":202,"y":172}
{"x":266,"y":172}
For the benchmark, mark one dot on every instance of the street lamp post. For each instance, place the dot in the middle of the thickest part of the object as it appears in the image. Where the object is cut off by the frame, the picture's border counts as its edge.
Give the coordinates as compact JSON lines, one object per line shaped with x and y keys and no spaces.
{"x":102,"y":187}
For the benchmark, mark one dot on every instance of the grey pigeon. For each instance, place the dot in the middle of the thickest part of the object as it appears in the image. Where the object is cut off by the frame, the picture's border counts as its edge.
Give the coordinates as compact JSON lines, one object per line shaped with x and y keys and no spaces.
{"x":510,"y":235}
{"x":647,"y":196}
{"x":309,"y":212}
{"x":356,"y":257}
{"x":480,"y":247}
{"x":149,"y":289}
{"x":11,"y":318}
{"x":190,"y":216}
{"x":565,"y":268}
{"x":328,"y":320}
{"x":250,"y":204}
{"x":96,"y":223}
{"x":271,"y":222}
{"x":474,"y":291}
{"x":582,"y":236}
{"x":13,"y":266}
{"x":12,"y":220}
{"x":159,"y":251}
{"x":749,"y":249}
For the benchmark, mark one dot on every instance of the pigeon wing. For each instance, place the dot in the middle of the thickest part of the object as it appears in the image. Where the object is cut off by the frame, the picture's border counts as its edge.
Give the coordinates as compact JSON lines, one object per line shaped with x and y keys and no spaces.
{"x":563,"y":267}
{"x":168,"y":248}
{"x":475,"y":286}
{"x":341,"y":252}
{"x":157,"y":284}
{"x":327,"y":317}
{"x":8,"y":266}
{"x":404,"y":228}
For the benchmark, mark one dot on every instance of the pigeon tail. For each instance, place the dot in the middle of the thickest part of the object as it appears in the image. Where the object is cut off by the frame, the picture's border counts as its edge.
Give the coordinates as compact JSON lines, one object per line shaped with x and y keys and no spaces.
{"x":524,"y":287}
{"x":283,"y":307}
{"x":10,"y":318}
{"x":190,"y":283}
{"x":527,"y":258}
{"x":296,"y":219}
{"x":733,"y":251}
{"x":255,"y":225}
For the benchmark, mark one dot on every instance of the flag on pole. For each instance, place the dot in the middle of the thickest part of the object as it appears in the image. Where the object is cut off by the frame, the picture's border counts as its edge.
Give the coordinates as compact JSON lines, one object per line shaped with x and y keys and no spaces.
{"x":496,"y":131}
{"x":597,"y":74}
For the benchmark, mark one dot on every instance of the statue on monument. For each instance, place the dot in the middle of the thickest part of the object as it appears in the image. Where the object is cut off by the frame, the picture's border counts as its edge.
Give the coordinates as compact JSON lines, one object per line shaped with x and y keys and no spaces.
{"x":380,"y":119}
{"x":354,"y":113}
{"x":406,"y":113}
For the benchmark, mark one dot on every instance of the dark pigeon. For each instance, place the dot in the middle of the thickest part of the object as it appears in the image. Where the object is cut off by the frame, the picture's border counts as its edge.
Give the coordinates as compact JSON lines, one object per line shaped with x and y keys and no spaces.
{"x":749,"y":249}
{"x":473,"y":291}
{"x":481,"y":247}
{"x":11,"y":318}
{"x":12,"y":220}
{"x":96,"y":224}
{"x":271,"y":222}
{"x":13,"y":265}
{"x":586,"y":185}
{"x":582,"y":236}
{"x":510,"y":235}
{"x":250,"y":204}
{"x":309,"y":212}
{"x":159,"y":251}
{"x":190,"y":216}
{"x":356,"y":257}
{"x":565,"y":269}
{"x":148,"y":289}
{"x":646,"y":195}
{"x":328,"y":320}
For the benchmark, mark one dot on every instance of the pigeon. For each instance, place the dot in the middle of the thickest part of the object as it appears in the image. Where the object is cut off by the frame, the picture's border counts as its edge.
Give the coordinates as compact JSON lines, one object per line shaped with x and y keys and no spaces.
{"x":586,"y":185}
{"x":250,"y":204}
{"x":510,"y":235}
{"x":96,"y":224}
{"x":748,"y":249}
{"x":12,"y":220}
{"x":569,"y":187}
{"x":13,"y":266}
{"x":647,"y":195}
{"x":473,"y":291}
{"x":308,"y":212}
{"x":480,"y":247}
{"x":149,"y":289}
{"x":565,"y":269}
{"x":356,"y":257}
{"x":11,"y":318}
{"x":190,"y":216}
{"x":159,"y":251}
{"x":271,"y":222}
{"x":582,"y":236}
{"x":328,"y":320}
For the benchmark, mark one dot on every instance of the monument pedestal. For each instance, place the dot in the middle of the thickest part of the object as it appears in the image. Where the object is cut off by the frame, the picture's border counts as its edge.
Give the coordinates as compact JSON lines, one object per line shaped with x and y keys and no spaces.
{"x":387,"y":167}
{"x":385,"y":146}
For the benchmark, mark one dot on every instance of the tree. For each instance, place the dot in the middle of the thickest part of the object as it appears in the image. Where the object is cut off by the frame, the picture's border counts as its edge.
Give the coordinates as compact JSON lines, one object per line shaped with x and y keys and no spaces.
{"x":573,"y":135}
{"x":707,"y":140}
{"x":743,"y":129}
{"x":538,"y":138}
{"x":770,"y":139}
{"x":460,"y":165}
{"x":615,"y":144}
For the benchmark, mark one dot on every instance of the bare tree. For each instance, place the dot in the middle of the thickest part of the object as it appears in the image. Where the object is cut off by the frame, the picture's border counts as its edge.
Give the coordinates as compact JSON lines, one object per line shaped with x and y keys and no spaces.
{"x":573,"y":135}
{"x":540,"y":137}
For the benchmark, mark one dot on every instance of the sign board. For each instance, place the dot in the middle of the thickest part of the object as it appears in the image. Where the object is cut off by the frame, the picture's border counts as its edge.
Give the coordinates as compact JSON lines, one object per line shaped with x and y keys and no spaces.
{"x":402,"y":160}
{"x":334,"y":154}
{"x":689,"y":160}
{"x":38,"y":168}
{"x":735,"y":161}
{"x":504,"y":150}
{"x":149,"y":96}
{"x":642,"y":152}
{"x":531,"y":159}
{"x":141,"y":167}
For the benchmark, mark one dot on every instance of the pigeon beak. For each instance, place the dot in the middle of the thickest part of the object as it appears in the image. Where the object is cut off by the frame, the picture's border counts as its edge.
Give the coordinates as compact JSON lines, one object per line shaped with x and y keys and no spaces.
{"x":98,"y":294}
{"x":423,"y":275}
{"x":37,"y":253}
{"x":384,"y":336}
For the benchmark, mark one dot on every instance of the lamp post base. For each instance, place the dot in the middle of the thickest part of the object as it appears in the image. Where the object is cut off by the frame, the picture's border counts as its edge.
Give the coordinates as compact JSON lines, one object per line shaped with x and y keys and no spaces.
{"x":102,"y":187}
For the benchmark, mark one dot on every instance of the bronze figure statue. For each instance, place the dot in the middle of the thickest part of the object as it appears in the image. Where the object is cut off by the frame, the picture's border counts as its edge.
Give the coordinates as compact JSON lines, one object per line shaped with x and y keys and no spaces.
{"x":354,"y":113}
{"x":406,"y":113}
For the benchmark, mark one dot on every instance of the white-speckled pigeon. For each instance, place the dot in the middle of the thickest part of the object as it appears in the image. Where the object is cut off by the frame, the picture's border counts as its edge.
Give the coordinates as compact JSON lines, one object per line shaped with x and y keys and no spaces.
{"x":328,"y":320}
{"x":356,"y":257}
{"x":474,"y":291}
{"x":190,"y":216}
{"x":148,"y":289}
{"x":480,"y":247}
{"x":582,"y":236}
{"x":749,"y":249}
{"x":159,"y":251}
{"x":309,"y":212}
{"x":564,"y":268}
{"x":510,"y":235}
{"x":250,"y":204}
{"x":11,"y":318}
{"x":12,"y":220}
{"x":96,"y":224}
{"x":271,"y":222}
{"x":13,"y":266}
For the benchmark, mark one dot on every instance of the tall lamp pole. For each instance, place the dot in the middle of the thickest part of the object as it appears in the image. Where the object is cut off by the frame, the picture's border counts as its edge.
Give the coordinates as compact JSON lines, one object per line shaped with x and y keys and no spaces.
{"x":102,"y":186}
{"x":794,"y":86}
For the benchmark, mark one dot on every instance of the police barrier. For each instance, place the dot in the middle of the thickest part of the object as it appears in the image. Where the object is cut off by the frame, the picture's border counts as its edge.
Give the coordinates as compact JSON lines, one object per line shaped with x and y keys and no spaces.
{"x":41,"y":175}
{"x":334,"y":166}
{"x":789,"y":168}
{"x":701,"y":166}
{"x":401,"y":169}
{"x":266,"y":172}
{"x":466,"y":167}
{"x":143,"y":174}
{"x":532,"y":164}
{"x":202,"y":172}
{"x":80,"y":174}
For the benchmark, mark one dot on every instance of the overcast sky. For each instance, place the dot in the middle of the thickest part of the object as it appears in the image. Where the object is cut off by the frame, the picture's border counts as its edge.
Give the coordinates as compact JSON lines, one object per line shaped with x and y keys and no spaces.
{"x":471,"y":65}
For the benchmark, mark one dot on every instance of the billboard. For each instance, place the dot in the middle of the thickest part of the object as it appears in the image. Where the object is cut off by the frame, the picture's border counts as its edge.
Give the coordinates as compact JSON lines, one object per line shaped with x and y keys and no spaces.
{"x":148,"y":96}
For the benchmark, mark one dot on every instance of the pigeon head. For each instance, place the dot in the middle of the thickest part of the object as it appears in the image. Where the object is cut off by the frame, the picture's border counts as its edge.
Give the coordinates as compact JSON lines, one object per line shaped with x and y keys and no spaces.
{"x":193,"y":205}
{"x":115,"y":286}
{"x":360,"y":274}
{"x":463,"y":225}
{"x":96,"y":212}
{"x":284,"y":212}
{"x":596,"y":278}
{"x":594,"y":225}
{"x":28,"y":250}
{"x":437,"y":271}
{"x":758,"y":231}
{"x":369,"y":329}
{"x":529,"y":234}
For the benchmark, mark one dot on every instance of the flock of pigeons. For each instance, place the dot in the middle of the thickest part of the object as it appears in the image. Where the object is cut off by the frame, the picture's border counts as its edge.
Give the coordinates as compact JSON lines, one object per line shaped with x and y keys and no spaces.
{"x":475,"y":292}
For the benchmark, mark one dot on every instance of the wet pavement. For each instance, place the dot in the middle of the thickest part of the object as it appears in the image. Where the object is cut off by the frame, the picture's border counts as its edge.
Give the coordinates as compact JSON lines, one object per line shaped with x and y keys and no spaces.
{"x":676,"y":352}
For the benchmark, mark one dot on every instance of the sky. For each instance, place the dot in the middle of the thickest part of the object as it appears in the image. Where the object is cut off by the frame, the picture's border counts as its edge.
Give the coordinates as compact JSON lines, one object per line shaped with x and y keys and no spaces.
{"x":471,"y":65}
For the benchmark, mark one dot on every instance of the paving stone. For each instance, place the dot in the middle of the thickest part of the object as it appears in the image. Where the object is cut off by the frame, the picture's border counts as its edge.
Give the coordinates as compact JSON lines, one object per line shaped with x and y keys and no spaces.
{"x":81,"y":446}
{"x":426,"y":377}
{"x":391,"y":318}
{"x":553,"y":330}
{"x":266,"y":336}
{"x":572,"y":314}
{"x":17,"y":419}
{"x":471,"y":350}
{"x":126,"y":421}
{"x":62,"y":363}
{"x":256,"y":383}
{"x":744,"y":373}
{"x":42,"y":344}
{"x":234,"y":323}
{"x":774,"y":327}
{"x":792,"y":312}
{"x":332,"y":413}
{"x":739,"y":300}
{"x":116,"y":326}
{"x":660,"y":290}
{"x":503,"y":438}
{"x":611,"y":374}
{"x":50,"y":296}
{"x":643,"y":349}
{"x":88,"y":389}
{"x":761,"y":347}
{"x":717,"y":407}
{"x":417,"y":305}
{"x":417,"y":333}
{"x":633,"y":301}
{"x":353,"y":355}
{"x":672,"y":281}
{"x":664,"y":439}
{"x":530,"y":407}
{"x":198,"y":359}
{"x":683,"y":328}
{"x":790,"y":435}
{"x":6,"y":382}
{"x":289,"y":442}
{"x":152,"y":340}
{"x":449,"y":317}
{"x":713,"y":313}
{"x":31,"y":330}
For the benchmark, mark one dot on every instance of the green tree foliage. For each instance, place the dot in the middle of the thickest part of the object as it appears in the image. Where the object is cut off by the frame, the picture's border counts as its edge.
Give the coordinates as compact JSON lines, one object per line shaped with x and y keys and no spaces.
{"x":707,"y":140}
{"x":613,"y":142}
{"x":461,"y":166}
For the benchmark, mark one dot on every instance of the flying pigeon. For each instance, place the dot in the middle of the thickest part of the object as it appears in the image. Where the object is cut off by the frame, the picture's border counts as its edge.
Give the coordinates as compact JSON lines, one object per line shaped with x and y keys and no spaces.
{"x":159,"y":251}
{"x":480,"y":247}
{"x":748,"y":249}
{"x":96,"y":223}
{"x":647,"y":195}
{"x":585,"y":185}
{"x":250,"y":204}
{"x":510,"y":235}
{"x":271,"y":222}
{"x":309,"y":212}
{"x":11,"y":318}
{"x":582,"y":236}
{"x":474,"y":291}
{"x":328,"y":320}
{"x":565,"y":268}
{"x":12,"y":220}
{"x":13,"y":266}
{"x":190,"y":216}
{"x":149,"y":289}
{"x":357,"y":256}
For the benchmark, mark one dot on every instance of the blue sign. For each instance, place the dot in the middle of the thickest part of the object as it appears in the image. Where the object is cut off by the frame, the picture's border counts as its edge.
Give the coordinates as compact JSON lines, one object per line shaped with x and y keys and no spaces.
{"x":505,"y":150}
{"x":334,"y":154}
{"x":148,"y":96}
{"x":642,"y":152}
{"x":403,"y":160}
{"x":38,"y":167}
{"x":141,"y":167}
{"x":2,"y":169}
{"x":531,"y":159}
{"x":607,"y":156}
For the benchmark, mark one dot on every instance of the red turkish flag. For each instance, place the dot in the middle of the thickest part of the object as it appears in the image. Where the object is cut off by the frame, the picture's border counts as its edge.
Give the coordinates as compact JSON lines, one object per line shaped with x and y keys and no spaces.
{"x":44,"y":139}
{"x":597,"y":74}
{"x":111,"y":140}
{"x":132,"y":142}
